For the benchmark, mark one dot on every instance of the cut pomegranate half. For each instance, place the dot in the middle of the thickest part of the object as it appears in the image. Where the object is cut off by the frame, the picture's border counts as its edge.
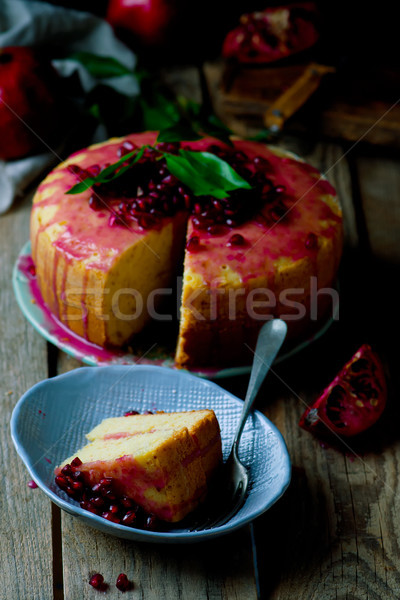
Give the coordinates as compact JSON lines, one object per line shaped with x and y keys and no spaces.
{"x":354,"y":400}
{"x":274,"y":33}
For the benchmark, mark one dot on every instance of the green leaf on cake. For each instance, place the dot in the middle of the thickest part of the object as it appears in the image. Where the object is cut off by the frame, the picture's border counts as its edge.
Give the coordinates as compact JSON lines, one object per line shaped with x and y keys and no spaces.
{"x":204,"y":173}
{"x":109,"y":173}
{"x":82,"y":186}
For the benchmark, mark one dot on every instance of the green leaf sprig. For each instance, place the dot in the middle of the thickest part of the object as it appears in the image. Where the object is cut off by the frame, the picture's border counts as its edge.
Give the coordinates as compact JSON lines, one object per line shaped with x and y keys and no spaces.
{"x":192,"y":123}
{"x":111,"y":172}
{"x":205,"y":174}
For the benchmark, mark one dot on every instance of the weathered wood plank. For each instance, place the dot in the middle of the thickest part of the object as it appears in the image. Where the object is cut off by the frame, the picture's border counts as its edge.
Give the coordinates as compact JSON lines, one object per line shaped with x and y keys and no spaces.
{"x":25,"y":524}
{"x":214,"y":571}
{"x":220,"y":570}
{"x":333,"y":535}
{"x":380,"y":191}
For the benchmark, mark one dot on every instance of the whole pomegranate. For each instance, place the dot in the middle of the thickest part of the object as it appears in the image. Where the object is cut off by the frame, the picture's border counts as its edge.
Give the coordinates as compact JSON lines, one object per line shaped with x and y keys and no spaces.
{"x":148,"y":20}
{"x":271,"y":34}
{"x":354,"y":400}
{"x":28,"y":104}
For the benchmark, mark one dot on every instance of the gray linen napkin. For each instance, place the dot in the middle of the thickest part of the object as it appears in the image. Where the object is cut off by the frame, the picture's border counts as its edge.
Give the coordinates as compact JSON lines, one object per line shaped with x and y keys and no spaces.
{"x":34,"y":23}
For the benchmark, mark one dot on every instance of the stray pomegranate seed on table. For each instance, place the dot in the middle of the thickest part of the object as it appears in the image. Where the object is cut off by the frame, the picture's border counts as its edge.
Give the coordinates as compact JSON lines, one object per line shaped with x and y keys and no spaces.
{"x":123,"y":583}
{"x":97,"y":582}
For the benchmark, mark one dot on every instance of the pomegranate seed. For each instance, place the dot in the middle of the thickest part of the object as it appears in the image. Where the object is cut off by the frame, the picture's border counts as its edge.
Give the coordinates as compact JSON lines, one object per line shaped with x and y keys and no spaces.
{"x":97,"y":501}
{"x":89,"y":507}
{"x":110,"y":517}
{"x":32,"y":270}
{"x":216,"y":229}
{"x":147,"y":221}
{"x":123,"y":583}
{"x":201,"y":222}
{"x":114,"y":508}
{"x":217,"y":205}
{"x":279,"y":189}
{"x":228,"y":212}
{"x":95,"y":203}
{"x":187,"y":199}
{"x":61,"y":482}
{"x":97,"y":581}
{"x":193,"y":244}
{"x":148,"y":412}
{"x":129,"y":413}
{"x":109,"y":494}
{"x":106,"y":481}
{"x":129,"y":518}
{"x":169,"y":180}
{"x":236,"y":240}
{"x":311,"y":241}
{"x":168,"y":147}
{"x":76,"y":170}
{"x":32,"y":484}
{"x":126,"y":502}
{"x":93,"y":170}
{"x":260,"y":162}
{"x":240,"y":156}
{"x":151,"y":522}
{"x":126,"y":147}
{"x":77,"y":486}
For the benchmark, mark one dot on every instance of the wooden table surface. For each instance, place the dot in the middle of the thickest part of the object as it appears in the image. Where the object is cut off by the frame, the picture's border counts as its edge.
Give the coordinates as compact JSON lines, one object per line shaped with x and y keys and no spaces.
{"x":336,"y":532}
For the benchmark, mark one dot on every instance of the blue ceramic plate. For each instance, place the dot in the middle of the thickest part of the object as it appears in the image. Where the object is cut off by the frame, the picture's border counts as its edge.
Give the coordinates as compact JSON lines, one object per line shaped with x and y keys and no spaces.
{"x":31,"y":303}
{"x":50,"y":421}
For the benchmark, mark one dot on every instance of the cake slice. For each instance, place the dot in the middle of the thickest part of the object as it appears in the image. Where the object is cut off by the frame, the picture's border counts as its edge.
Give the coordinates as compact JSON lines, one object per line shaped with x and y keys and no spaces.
{"x":270,"y":265}
{"x":202,"y":426}
{"x":160,"y":462}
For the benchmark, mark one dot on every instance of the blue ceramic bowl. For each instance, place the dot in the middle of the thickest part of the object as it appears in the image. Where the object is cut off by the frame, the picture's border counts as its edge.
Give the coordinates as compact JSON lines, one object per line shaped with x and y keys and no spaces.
{"x":51,"y":419}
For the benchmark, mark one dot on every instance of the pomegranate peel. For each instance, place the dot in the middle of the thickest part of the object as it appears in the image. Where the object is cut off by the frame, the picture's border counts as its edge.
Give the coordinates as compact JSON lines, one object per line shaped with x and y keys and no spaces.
{"x":353,"y":401}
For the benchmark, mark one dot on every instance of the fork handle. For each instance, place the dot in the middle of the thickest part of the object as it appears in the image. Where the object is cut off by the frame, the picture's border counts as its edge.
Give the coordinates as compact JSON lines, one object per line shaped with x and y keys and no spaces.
{"x":269,"y":342}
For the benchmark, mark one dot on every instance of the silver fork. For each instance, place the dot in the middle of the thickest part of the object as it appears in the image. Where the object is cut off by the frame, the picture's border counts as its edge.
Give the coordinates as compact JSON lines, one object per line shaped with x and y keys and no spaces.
{"x":234,"y":479}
